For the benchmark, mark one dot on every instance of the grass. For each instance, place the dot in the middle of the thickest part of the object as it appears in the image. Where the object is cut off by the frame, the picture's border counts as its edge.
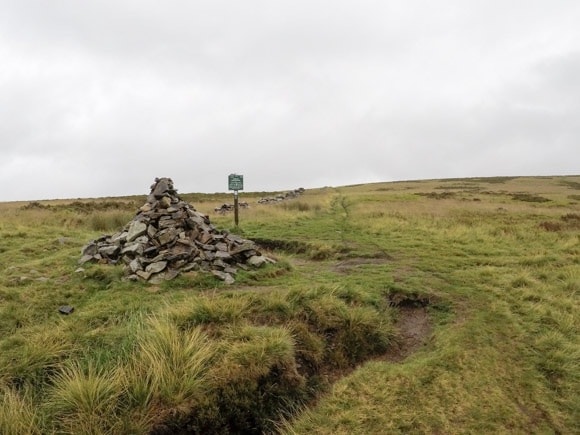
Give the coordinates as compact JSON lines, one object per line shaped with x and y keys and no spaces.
{"x":17,"y":413}
{"x":299,"y":347}
{"x":85,"y":399}
{"x":171,"y":362}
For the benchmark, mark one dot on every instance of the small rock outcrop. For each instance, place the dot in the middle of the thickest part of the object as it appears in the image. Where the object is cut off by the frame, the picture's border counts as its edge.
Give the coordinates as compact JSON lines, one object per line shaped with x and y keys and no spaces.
{"x":168,"y":236}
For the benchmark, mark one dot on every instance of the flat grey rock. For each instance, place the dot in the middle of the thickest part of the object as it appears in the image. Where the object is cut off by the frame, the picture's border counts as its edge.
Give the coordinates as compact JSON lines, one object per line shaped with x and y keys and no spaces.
{"x":225,"y":277}
{"x":65,"y":309}
{"x":156,"y":267}
{"x":136,"y":229}
{"x":257,"y":261}
{"x":109,"y":251}
{"x":85,"y":259}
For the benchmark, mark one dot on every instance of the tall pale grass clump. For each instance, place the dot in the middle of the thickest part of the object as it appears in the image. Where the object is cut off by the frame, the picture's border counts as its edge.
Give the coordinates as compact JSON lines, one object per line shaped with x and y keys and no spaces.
{"x":169,"y":365}
{"x":35,"y":358}
{"x":356,"y":332}
{"x":110,"y":220}
{"x":210,"y":310}
{"x":570,"y":280}
{"x":365,"y":332}
{"x":16,"y":219}
{"x":256,"y":350}
{"x":17,"y":414}
{"x":86,"y":399}
{"x":271,"y":307}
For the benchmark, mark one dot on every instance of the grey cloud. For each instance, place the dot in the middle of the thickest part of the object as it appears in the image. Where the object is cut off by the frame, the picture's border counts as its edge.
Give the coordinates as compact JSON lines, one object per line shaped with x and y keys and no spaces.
{"x":97,"y":97}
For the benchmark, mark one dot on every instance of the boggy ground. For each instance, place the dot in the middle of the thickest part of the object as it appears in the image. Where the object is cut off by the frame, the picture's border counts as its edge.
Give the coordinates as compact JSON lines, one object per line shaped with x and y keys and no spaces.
{"x":438,"y":306}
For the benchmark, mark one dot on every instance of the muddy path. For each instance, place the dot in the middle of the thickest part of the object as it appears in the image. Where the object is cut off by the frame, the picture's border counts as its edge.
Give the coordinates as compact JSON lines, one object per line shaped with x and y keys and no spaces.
{"x":414,"y":328}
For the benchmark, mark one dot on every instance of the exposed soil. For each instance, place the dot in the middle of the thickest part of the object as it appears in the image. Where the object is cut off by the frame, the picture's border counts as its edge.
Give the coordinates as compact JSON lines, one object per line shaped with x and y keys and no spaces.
{"x":413,"y":324}
{"x":290,"y":246}
{"x":414,"y":327}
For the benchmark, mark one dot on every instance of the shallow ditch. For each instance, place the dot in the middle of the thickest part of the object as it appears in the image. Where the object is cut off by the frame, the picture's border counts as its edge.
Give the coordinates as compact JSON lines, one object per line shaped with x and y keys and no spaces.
{"x":413,"y":324}
{"x":251,"y":405}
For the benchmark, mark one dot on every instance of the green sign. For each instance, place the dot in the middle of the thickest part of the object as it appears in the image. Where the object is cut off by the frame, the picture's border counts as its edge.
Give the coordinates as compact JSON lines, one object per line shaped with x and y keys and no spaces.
{"x":235,"y":182}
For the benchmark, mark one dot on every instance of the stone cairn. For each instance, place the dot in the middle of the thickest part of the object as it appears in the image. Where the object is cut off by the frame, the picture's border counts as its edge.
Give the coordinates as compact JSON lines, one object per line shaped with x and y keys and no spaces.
{"x":168,"y":236}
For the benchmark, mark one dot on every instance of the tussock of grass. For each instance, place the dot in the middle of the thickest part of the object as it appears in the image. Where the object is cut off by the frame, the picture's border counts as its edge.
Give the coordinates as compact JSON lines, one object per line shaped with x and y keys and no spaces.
{"x":326,"y":313}
{"x":272,"y":307}
{"x":256,"y":379}
{"x":32,"y":360}
{"x":310,"y":348}
{"x":109,"y":221}
{"x":85,"y":398}
{"x":212,"y":310}
{"x":18,"y":414}
{"x":252,"y":352}
{"x":366,"y":332}
{"x":354,"y":332}
{"x":169,"y":364}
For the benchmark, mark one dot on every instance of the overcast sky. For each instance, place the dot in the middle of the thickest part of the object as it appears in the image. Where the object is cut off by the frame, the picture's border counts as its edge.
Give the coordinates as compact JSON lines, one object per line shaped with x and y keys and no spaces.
{"x":97,"y":98}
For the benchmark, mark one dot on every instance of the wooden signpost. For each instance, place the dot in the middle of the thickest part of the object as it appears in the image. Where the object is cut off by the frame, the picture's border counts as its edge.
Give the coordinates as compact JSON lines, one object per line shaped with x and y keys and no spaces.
{"x":235,"y":183}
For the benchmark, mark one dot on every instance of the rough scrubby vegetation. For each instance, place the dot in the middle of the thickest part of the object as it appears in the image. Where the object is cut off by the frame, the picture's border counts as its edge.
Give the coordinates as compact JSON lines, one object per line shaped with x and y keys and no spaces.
{"x":302,"y":346}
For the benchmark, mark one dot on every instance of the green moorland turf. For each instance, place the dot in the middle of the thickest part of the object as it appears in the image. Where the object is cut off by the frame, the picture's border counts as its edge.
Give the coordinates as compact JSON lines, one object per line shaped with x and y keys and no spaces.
{"x":303,"y":346}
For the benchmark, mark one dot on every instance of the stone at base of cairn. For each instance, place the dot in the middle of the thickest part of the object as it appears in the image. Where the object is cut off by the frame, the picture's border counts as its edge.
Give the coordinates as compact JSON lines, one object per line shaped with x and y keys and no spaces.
{"x":168,"y":236}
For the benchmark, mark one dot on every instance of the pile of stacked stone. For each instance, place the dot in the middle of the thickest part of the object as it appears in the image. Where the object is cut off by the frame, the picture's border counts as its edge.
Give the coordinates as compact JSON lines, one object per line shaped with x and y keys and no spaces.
{"x":282,"y":197}
{"x":168,"y":236}
{"x":225,"y":208}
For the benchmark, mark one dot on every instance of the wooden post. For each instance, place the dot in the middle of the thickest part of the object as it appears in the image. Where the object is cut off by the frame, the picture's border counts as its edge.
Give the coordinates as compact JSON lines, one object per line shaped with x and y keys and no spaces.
{"x":236,"y":220}
{"x":235,"y":183}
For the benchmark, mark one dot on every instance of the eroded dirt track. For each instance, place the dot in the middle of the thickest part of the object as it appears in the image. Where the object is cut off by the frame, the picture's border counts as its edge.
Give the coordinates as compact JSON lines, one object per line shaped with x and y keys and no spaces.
{"x":414,"y":326}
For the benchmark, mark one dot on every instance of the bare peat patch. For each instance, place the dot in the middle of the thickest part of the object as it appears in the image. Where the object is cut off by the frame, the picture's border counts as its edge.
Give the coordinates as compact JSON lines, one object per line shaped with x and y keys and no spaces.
{"x":312,"y":251}
{"x":414,"y":325}
{"x":570,"y":221}
{"x":289,"y":246}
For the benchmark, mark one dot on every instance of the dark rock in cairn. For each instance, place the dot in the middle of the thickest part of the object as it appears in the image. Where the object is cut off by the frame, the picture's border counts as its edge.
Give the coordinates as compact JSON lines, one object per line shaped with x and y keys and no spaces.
{"x":168,"y":236}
